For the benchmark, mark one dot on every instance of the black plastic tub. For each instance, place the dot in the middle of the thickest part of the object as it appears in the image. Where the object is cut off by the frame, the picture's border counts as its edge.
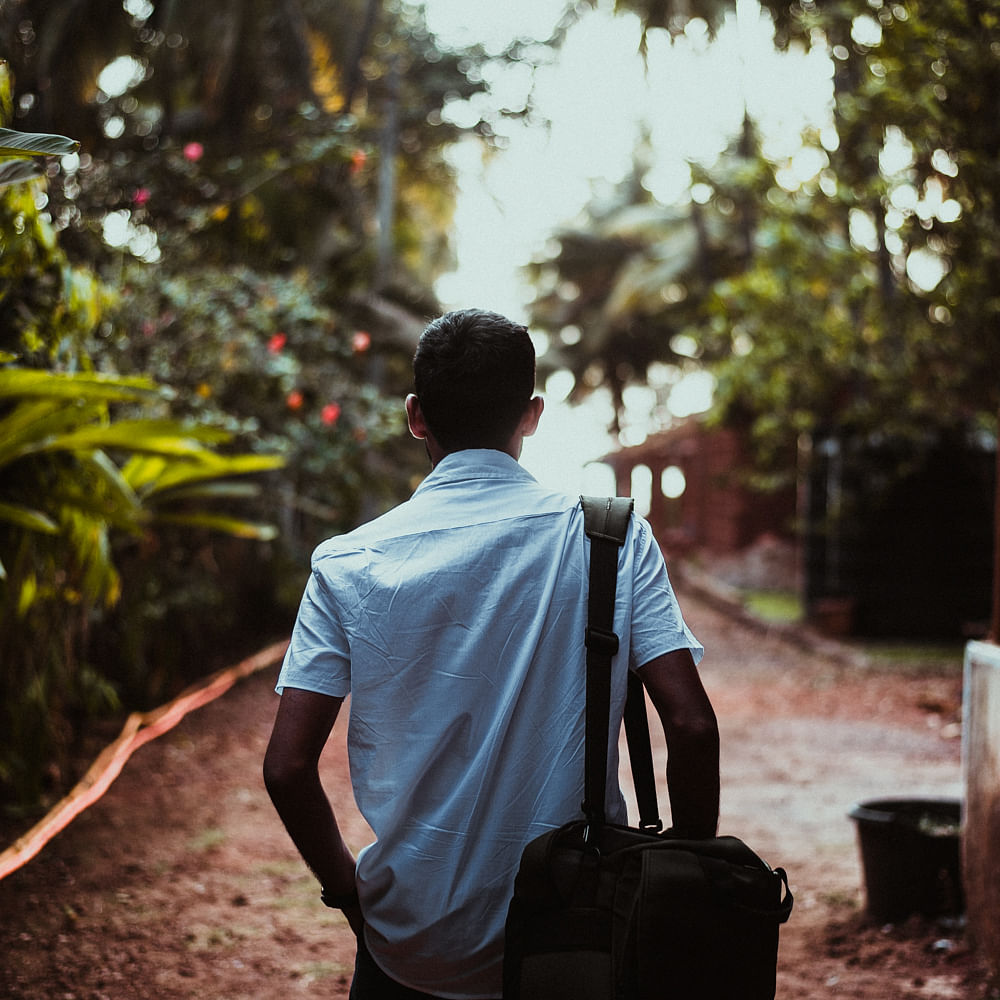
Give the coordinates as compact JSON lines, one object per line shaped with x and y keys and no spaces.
{"x":910,"y":855}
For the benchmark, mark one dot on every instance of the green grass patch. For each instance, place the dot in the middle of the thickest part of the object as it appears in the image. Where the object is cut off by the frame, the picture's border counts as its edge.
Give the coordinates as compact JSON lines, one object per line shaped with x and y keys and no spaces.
{"x":202,"y":937}
{"x":781,"y":607}
{"x":915,"y":658}
{"x":207,"y":840}
{"x":293,"y":868}
{"x":840,"y":898}
{"x":312,"y":971}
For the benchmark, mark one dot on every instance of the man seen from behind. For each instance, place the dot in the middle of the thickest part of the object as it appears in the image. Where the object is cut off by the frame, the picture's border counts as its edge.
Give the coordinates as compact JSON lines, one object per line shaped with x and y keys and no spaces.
{"x":456,"y":623}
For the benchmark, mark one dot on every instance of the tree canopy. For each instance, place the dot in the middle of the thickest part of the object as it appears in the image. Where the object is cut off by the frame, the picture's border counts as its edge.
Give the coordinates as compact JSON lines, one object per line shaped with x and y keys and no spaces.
{"x":859,"y":295}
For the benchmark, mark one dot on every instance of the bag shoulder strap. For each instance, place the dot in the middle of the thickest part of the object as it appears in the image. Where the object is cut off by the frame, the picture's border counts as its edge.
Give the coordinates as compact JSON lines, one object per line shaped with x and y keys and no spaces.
{"x":606,"y":521}
{"x":640,"y":755}
{"x":607,"y":518}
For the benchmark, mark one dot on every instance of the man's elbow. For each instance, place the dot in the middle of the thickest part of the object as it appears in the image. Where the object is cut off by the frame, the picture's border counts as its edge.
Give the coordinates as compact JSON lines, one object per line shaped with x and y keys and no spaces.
{"x":282,"y":773}
{"x":697,"y":731}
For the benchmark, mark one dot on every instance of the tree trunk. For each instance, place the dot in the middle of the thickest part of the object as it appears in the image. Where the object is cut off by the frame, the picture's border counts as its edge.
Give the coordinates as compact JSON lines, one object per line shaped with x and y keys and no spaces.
{"x":352,"y":79}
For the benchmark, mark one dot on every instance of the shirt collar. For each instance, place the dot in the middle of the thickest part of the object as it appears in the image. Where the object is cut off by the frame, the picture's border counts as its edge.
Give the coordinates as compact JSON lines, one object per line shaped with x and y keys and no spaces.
{"x":475,"y":463}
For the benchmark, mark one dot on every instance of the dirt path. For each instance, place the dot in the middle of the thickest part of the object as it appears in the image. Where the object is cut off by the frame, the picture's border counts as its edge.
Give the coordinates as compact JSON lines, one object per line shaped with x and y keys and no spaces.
{"x":181,"y":882}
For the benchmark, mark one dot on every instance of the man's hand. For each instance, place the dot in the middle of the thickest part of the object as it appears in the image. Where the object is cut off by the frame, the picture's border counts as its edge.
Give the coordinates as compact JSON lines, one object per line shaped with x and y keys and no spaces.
{"x":291,"y":774}
{"x":349,"y":906}
{"x":692,"y":734}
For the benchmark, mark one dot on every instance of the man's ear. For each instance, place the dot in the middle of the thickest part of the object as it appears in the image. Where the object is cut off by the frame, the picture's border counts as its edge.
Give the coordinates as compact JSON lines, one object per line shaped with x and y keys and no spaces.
{"x":420,"y":430}
{"x":415,"y":418}
{"x":532,"y":414}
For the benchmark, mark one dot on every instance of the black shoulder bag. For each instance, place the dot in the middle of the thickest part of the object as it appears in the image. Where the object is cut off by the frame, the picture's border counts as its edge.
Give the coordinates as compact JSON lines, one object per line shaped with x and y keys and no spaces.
{"x":607,"y":912}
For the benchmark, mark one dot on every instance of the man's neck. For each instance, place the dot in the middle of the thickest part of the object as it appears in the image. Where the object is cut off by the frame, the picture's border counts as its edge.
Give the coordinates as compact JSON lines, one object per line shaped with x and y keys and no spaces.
{"x":436,"y":453}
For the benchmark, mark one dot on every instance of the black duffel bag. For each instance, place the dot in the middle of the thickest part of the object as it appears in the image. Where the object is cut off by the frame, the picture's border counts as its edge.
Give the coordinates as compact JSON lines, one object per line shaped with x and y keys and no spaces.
{"x":616,"y":912}
{"x":606,"y":912}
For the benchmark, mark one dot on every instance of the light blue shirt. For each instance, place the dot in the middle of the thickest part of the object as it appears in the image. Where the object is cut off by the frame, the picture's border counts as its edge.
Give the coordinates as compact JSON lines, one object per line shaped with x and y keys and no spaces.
{"x":456,"y":624}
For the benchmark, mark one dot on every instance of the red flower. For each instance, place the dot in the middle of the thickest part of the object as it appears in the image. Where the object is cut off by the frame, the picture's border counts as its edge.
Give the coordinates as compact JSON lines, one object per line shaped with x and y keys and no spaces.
{"x":276,"y":343}
{"x":330,"y":414}
{"x":358,"y":159}
{"x":361,"y":341}
{"x":194,"y":151}
{"x":141,"y":196}
{"x":294,"y":400}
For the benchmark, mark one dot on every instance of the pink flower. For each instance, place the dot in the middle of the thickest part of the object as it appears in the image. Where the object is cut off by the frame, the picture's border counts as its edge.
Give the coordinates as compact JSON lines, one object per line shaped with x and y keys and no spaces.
{"x":330,"y":414}
{"x":276,"y":343}
{"x":141,"y":196}
{"x":194,"y":151}
{"x":361,"y":341}
{"x":294,"y":400}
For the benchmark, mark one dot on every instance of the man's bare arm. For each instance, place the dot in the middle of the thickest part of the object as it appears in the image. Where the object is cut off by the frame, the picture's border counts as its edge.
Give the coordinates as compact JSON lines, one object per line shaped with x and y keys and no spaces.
{"x":291,"y":774}
{"x":692,"y":735}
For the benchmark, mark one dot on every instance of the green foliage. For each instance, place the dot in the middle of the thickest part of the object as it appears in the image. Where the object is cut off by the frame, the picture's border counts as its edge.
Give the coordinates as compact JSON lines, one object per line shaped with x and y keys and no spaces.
{"x":15,"y":147}
{"x":263,"y":357}
{"x":923,"y":78}
{"x":246,"y":156}
{"x":862,"y":299}
{"x":61,"y":498}
{"x":19,"y":144}
{"x":258,"y":132}
{"x":67,"y":485}
{"x":48,"y":307}
{"x":18,"y":171}
{"x":637,"y":278}
{"x":675,"y":14}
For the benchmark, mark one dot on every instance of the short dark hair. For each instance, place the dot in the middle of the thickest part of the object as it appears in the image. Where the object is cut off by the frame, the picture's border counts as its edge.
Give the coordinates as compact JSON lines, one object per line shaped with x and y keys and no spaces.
{"x":474,"y":374}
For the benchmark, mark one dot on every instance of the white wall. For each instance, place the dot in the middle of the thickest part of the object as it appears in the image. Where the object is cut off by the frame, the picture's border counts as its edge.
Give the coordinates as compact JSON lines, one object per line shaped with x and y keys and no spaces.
{"x":981,"y":771}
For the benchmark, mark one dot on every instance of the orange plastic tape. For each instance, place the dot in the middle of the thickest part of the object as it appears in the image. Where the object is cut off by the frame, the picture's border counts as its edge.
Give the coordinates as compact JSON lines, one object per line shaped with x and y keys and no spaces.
{"x":139,"y":728}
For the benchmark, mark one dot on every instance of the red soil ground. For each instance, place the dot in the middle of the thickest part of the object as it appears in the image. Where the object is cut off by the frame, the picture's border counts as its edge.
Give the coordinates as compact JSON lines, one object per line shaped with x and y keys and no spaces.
{"x":181,"y":882}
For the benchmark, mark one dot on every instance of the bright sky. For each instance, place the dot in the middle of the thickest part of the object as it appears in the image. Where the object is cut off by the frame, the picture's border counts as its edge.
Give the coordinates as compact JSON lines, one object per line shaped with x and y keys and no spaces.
{"x":597,"y":96}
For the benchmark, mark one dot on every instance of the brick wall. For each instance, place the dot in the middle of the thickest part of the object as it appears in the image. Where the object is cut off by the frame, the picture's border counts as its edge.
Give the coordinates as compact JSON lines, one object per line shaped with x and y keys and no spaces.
{"x":718,"y":510}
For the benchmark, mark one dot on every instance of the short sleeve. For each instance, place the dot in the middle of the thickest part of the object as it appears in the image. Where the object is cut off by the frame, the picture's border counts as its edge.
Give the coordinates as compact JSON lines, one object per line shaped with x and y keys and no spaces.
{"x":318,"y":656}
{"x":658,"y":625}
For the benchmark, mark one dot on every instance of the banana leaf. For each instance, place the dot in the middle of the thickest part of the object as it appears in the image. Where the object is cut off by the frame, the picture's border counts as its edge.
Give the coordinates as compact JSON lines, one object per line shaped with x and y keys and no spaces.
{"x":184,"y":474}
{"x":35,"y":144}
{"x":224,"y":490}
{"x":221,"y":522}
{"x":19,"y":171}
{"x":27,"y":517}
{"x":99,"y":579}
{"x":90,"y":387}
{"x":33,"y":423}
{"x":98,"y":490}
{"x":140,"y":470}
{"x":156,"y":437}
